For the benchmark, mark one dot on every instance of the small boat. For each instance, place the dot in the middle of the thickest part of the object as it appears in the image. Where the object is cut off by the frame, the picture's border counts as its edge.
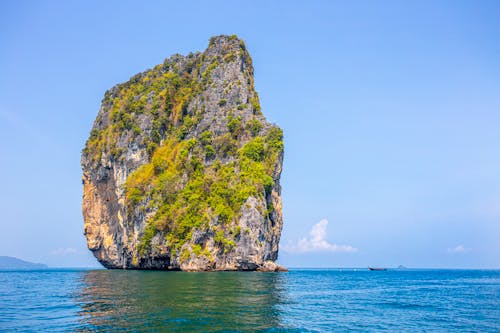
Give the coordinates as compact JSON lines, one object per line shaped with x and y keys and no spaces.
{"x":377,"y":269}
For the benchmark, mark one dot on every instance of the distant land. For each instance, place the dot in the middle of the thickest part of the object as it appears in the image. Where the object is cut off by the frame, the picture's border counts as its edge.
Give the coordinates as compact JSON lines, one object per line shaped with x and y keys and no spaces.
{"x":15,"y":263}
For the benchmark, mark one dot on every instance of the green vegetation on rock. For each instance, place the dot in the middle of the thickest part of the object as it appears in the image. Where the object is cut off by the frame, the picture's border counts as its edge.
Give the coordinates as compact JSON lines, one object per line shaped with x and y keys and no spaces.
{"x":203,"y":146}
{"x":215,"y":191}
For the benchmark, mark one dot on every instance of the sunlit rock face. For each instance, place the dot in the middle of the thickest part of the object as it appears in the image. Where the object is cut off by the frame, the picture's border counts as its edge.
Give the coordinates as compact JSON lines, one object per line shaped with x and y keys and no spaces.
{"x":181,"y":169}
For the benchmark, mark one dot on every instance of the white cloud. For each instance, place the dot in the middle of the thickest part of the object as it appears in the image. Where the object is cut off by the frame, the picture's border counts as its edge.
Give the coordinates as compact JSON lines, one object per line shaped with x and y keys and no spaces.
{"x":458,"y":249}
{"x":63,"y":251}
{"x":317,"y":242}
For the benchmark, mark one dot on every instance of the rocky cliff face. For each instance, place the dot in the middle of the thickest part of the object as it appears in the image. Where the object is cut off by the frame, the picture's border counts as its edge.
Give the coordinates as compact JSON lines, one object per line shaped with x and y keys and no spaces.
{"x":181,"y":169}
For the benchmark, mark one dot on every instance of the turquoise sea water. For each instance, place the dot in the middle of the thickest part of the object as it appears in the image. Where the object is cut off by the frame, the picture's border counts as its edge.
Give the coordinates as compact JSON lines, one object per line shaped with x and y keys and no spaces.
{"x":297,"y":301}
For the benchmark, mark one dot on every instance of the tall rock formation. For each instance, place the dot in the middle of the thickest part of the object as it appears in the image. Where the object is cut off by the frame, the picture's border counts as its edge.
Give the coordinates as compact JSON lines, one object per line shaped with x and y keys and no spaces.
{"x":181,"y":169}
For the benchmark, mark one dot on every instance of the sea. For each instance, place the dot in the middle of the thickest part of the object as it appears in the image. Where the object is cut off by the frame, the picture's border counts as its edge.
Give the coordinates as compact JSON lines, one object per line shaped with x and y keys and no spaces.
{"x":301,"y":300}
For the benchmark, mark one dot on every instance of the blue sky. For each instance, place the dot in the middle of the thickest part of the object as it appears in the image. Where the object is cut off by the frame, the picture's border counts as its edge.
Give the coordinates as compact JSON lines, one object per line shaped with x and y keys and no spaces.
{"x":391,"y":115}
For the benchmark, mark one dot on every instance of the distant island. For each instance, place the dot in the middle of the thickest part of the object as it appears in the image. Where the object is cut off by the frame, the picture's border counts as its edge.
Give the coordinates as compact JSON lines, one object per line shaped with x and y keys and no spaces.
{"x":16,"y":263}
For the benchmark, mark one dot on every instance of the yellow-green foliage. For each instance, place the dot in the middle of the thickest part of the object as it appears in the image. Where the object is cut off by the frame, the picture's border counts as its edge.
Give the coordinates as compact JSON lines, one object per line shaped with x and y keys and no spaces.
{"x":254,"y":126}
{"x":148,"y":235}
{"x":196,"y":248}
{"x":165,"y":95}
{"x":255,"y":104}
{"x":187,"y":184}
{"x":95,"y":145}
{"x":215,"y":191}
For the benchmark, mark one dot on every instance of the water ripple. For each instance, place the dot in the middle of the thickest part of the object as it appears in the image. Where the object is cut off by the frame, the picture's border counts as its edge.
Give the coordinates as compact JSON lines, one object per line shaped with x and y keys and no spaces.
{"x":298,"y":301}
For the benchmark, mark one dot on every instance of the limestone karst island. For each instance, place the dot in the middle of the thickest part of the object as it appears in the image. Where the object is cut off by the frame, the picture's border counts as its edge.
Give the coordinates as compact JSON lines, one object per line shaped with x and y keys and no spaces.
{"x":182,"y":170}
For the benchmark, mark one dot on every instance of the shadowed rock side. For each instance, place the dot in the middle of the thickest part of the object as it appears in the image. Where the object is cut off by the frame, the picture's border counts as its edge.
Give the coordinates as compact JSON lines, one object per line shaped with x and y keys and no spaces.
{"x":181,"y":169}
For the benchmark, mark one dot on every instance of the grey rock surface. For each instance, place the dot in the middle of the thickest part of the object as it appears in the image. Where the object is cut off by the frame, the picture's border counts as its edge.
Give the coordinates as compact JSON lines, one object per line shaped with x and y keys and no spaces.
{"x":122,"y":134}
